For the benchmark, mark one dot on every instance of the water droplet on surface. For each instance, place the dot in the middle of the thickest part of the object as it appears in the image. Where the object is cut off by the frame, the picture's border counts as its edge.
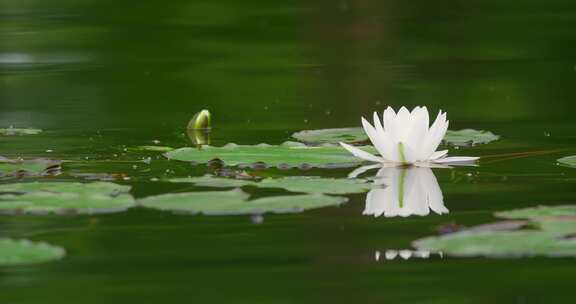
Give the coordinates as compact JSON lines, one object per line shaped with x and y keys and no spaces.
{"x":257,"y":219}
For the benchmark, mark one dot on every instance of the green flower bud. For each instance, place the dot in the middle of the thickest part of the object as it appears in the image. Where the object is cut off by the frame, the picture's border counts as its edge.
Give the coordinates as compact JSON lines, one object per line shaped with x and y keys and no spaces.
{"x":200,"y":121}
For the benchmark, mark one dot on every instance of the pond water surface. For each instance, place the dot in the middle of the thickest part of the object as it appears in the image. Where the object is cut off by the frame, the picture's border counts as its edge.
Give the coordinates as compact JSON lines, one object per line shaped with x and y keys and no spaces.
{"x":101,"y":76}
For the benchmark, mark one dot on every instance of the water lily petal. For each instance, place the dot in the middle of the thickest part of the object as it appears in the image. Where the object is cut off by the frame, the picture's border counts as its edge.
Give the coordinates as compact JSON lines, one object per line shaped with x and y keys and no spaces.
{"x":435,"y":134}
{"x":438,"y":154}
{"x":363,"y":169}
{"x":402,"y":124}
{"x":427,"y":164}
{"x":386,"y":147}
{"x":457,"y":159}
{"x":361,"y":154}
{"x":417,"y":131}
{"x":388,"y":118}
{"x":378,"y":140}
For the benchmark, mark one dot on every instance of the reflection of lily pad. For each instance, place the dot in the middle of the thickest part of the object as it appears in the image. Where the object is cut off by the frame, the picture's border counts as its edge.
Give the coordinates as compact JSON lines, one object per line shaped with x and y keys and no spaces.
{"x":348,"y":135}
{"x":235,"y":202}
{"x":33,"y":167}
{"x":289,"y":154}
{"x":569,"y":161}
{"x":19,"y":131}
{"x":540,"y":211}
{"x":54,"y":197}
{"x":499,"y":244}
{"x":292,"y":183}
{"x":20,"y":252}
{"x":469,"y":137}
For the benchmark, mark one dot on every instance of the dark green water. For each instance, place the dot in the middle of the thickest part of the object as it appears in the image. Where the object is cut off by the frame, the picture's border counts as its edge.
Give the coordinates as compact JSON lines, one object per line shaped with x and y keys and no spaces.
{"x":102,"y":75}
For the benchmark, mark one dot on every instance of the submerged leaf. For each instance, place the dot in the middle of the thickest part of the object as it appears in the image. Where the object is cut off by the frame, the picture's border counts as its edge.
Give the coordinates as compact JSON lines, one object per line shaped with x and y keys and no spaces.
{"x":288,"y":154}
{"x":22,"y":252}
{"x":347,"y":135}
{"x":303,"y":184}
{"x":569,"y":161}
{"x":19,"y":131}
{"x":235,"y":202}
{"x":56,"y":197}
{"x":469,"y":137}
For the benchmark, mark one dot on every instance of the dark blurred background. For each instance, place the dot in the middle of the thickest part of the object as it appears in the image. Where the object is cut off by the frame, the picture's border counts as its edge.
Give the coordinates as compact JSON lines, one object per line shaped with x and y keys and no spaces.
{"x":282,"y":64}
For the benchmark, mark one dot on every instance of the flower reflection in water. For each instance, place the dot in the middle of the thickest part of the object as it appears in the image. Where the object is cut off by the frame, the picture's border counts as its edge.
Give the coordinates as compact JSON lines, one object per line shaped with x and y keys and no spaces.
{"x":405,"y":191}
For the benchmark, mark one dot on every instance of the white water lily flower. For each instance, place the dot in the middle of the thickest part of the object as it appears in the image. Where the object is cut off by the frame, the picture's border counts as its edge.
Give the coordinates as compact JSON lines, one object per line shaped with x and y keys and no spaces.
{"x":407,"y":138}
{"x":405,"y":191}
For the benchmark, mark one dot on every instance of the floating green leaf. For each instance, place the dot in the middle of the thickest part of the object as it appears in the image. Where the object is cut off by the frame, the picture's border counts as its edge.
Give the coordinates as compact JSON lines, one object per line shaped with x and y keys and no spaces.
{"x":558,"y":226}
{"x":499,"y":244}
{"x":316,"y":184}
{"x":288,"y":154}
{"x":540,"y":211}
{"x":55,"y":197}
{"x":306,"y":184}
{"x":22,"y":252}
{"x":469,"y":137}
{"x":235,"y":202}
{"x":347,"y":135}
{"x":551,"y":233}
{"x":19,"y":131}
{"x":31,"y":167}
{"x":152,"y":148}
{"x":217,"y":182}
{"x":569,"y":161}
{"x":464,"y":137}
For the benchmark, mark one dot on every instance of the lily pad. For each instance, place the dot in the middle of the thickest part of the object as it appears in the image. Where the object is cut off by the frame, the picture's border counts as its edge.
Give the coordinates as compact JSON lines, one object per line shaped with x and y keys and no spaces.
{"x":305,"y":184}
{"x":569,"y":161}
{"x":22,"y":252}
{"x":236,"y":201}
{"x":558,"y":226}
{"x":19,"y":131}
{"x":464,"y":137}
{"x":55,"y":197}
{"x":289,"y":154}
{"x":540,"y":211}
{"x":316,"y":185}
{"x":30,"y":167}
{"x":499,"y":244}
{"x":469,"y":137}
{"x":217,"y":182}
{"x":347,"y":135}
{"x":152,"y":148}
